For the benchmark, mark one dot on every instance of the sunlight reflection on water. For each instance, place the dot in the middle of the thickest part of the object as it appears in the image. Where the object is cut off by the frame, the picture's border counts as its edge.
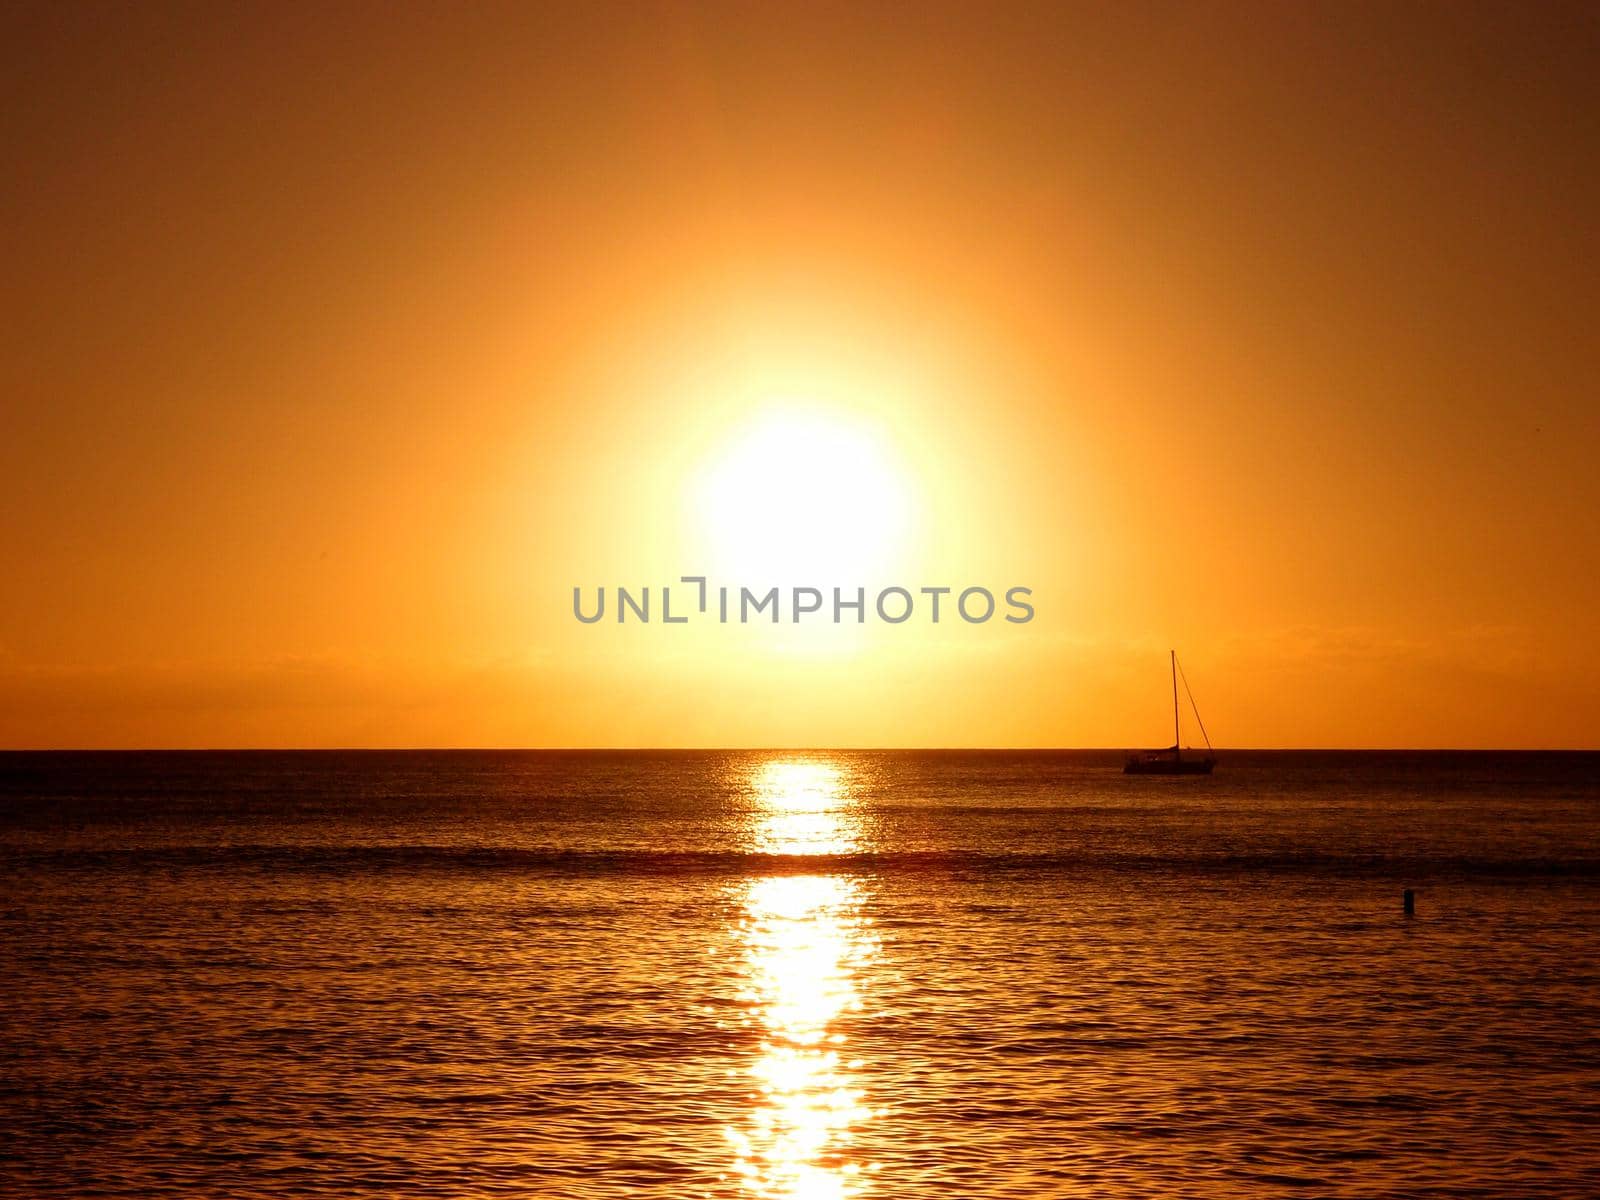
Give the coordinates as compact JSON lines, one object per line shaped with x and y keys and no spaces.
{"x":804,"y":809}
{"x":804,"y":942}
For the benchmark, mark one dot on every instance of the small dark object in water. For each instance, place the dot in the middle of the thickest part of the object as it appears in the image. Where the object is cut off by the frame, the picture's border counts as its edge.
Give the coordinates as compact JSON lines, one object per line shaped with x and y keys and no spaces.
{"x":1411,"y":903}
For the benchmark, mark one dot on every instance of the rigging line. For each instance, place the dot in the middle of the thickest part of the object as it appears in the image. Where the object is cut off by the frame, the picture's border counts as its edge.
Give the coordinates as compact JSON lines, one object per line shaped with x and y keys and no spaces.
{"x":1192,"y":704}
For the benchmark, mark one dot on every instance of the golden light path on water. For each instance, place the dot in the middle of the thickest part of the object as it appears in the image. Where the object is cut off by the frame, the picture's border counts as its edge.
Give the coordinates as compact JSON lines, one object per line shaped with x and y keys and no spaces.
{"x":804,"y":942}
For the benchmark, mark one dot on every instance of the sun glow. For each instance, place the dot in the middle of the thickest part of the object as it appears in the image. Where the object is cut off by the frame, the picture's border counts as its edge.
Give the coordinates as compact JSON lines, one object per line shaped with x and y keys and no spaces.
{"x":804,"y":496}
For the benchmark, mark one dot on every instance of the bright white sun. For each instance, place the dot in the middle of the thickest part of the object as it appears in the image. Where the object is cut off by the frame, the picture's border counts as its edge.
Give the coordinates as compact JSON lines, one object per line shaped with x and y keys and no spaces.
{"x":802,"y":497}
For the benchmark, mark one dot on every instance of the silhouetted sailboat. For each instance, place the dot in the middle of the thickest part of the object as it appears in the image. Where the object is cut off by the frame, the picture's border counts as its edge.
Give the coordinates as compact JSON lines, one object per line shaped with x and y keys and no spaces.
{"x":1172,"y":761}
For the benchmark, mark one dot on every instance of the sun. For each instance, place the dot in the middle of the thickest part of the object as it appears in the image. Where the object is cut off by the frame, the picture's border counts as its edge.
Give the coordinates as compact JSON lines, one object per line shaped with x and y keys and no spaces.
{"x":803,"y":497}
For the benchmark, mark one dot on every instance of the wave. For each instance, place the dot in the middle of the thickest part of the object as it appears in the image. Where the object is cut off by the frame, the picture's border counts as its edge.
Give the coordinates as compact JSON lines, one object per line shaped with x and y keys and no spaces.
{"x":734,"y":863}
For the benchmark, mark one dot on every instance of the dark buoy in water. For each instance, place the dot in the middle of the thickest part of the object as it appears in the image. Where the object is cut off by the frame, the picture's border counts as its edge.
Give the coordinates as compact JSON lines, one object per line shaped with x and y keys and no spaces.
{"x":1411,"y":903}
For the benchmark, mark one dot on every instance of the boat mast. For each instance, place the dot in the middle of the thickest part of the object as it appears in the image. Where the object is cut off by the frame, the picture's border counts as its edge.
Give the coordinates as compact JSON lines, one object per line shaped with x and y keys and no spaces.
{"x":1177,"y":741}
{"x":1198,"y":719}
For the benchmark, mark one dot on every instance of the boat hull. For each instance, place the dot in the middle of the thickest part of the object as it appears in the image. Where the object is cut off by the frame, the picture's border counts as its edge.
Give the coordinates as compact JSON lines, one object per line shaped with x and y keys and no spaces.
{"x":1169,"y":766}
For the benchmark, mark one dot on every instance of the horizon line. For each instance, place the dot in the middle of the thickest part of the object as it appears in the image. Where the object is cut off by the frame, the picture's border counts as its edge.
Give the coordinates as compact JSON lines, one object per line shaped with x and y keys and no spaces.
{"x":791,"y":749}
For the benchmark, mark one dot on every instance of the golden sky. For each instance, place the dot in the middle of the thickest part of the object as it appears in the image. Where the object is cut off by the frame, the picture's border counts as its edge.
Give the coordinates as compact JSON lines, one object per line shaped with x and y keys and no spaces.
{"x":341,"y":342}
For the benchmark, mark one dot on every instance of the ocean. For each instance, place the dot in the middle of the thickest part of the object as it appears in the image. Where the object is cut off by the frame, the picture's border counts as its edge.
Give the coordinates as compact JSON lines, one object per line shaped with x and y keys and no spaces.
{"x":780,"y":974}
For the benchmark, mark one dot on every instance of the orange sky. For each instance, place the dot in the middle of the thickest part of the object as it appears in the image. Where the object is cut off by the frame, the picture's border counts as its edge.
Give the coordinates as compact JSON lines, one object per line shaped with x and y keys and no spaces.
{"x":342,"y":342}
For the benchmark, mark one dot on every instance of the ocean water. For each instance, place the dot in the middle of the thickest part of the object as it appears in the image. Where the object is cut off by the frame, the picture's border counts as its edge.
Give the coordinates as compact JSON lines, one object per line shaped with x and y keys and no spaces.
{"x":798,"y":975}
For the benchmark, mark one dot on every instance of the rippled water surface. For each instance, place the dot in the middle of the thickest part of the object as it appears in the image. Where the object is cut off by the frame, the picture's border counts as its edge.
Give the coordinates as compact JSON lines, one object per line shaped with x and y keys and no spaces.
{"x":798,"y":975}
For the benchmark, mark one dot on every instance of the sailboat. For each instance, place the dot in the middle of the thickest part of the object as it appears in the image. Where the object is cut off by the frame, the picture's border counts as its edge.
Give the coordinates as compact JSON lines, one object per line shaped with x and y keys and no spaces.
{"x":1172,"y":761}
